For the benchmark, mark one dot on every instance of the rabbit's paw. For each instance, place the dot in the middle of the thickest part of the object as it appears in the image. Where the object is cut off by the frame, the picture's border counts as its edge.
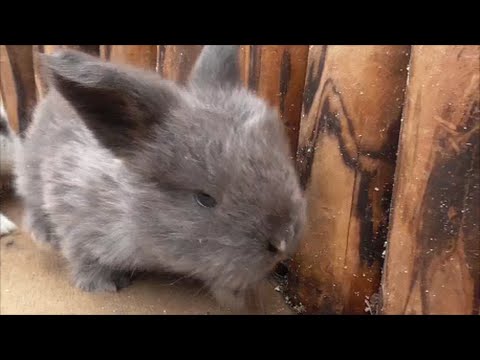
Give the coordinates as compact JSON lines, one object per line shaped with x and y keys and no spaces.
{"x":99,"y":279}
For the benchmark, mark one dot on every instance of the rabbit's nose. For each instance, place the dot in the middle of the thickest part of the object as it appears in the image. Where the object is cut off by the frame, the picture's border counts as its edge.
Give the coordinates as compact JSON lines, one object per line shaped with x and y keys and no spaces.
{"x":281,"y":243}
{"x":278,"y":246}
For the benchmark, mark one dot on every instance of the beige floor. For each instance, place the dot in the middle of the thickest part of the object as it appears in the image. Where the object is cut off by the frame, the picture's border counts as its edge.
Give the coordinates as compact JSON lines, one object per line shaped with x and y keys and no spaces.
{"x":35,"y":281}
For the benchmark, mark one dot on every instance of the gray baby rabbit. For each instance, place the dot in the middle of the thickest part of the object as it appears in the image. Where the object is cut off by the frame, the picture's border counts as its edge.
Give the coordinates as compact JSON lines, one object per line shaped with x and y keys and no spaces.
{"x":123,"y":170}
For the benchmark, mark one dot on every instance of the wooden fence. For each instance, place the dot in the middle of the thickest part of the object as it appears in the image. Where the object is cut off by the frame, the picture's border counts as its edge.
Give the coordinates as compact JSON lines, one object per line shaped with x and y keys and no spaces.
{"x":387,"y":143}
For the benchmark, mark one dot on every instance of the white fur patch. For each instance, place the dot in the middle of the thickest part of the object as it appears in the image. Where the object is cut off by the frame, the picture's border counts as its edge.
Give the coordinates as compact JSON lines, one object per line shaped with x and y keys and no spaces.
{"x":6,"y":226}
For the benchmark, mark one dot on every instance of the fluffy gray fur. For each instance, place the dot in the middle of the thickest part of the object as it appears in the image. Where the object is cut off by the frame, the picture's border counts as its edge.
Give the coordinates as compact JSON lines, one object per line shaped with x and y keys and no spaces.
{"x":115,"y":156}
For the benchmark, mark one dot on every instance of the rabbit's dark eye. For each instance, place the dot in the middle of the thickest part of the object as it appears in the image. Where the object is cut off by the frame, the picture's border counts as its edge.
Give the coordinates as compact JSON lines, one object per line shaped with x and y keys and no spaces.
{"x":205,"y":200}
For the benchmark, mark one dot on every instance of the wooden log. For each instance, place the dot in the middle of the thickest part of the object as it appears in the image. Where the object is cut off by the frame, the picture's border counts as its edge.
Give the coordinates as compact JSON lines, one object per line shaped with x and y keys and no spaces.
{"x":143,"y":56}
{"x":18,"y":85}
{"x":175,"y":62}
{"x":433,"y":253}
{"x":346,"y":159}
{"x":277,"y":74}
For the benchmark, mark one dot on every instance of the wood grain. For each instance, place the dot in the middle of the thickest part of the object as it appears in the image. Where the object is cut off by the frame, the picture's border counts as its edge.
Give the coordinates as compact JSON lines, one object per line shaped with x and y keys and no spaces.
{"x":142,"y":56}
{"x":175,"y":62}
{"x":346,"y":159}
{"x":18,"y":84}
{"x":277,"y":74}
{"x":433,"y":254}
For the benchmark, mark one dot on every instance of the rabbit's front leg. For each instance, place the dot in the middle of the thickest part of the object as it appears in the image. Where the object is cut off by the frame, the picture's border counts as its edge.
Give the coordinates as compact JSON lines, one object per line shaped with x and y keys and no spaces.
{"x":91,"y":276}
{"x":36,"y":221}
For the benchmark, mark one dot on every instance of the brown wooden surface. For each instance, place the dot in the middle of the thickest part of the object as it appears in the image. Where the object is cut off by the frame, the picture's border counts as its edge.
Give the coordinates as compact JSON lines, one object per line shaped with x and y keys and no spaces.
{"x":346,"y":159}
{"x":175,"y":62}
{"x":277,"y":74}
{"x":143,"y":56}
{"x":18,"y":84}
{"x":433,"y":255}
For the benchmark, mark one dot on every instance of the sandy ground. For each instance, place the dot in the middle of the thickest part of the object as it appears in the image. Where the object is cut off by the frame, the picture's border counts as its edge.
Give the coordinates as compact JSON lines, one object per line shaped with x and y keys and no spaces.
{"x":36,"y":281}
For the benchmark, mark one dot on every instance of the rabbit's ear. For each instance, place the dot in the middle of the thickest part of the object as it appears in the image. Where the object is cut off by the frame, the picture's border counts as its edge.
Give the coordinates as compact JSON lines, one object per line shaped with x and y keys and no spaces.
{"x":119,"y":106}
{"x":217,"y":65}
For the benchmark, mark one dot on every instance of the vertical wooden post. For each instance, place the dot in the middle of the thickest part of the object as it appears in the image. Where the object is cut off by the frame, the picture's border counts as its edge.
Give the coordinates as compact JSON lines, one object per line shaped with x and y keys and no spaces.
{"x":143,"y":56}
{"x":7,"y":89}
{"x":18,"y":84}
{"x":433,"y":255}
{"x":175,"y":62}
{"x":277,"y":74}
{"x":346,"y":159}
